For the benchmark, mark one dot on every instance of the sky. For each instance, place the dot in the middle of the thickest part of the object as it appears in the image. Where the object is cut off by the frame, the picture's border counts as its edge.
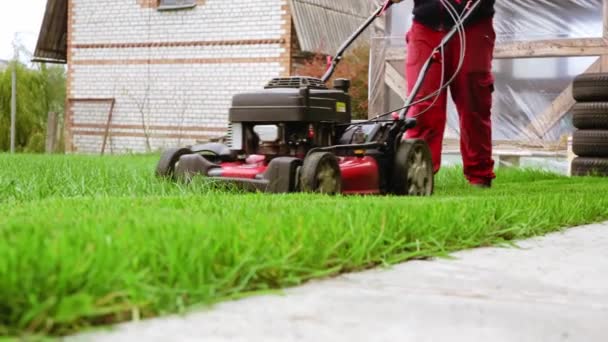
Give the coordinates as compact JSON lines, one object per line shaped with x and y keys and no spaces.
{"x":23,"y":17}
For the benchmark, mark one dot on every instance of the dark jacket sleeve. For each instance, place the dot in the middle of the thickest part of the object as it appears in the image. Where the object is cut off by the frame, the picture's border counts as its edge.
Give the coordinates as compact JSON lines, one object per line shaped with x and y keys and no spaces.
{"x":432,"y":14}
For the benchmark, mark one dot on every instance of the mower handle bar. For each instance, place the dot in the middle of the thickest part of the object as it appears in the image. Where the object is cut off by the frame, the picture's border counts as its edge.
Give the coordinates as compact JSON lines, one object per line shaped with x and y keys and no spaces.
{"x":336,"y":60}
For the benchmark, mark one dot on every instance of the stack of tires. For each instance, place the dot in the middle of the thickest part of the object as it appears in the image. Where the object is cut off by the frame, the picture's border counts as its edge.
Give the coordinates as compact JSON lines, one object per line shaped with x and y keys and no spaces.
{"x":590,"y":118}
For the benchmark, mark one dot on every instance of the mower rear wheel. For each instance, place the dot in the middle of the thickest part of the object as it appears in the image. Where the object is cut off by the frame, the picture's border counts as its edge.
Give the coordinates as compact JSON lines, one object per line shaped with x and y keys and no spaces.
{"x":413,"y":169}
{"x":166,"y":165}
{"x":320,"y":173}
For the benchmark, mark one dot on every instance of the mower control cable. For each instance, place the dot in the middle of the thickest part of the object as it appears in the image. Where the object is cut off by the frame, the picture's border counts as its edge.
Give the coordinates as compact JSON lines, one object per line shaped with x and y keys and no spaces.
{"x":463,"y":47}
{"x":460,"y":21}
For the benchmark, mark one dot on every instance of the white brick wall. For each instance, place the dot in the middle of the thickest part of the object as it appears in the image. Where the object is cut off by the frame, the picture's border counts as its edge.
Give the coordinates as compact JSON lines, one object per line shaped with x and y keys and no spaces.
{"x":235,"y":51}
{"x":166,"y":89}
{"x":124,"y":21}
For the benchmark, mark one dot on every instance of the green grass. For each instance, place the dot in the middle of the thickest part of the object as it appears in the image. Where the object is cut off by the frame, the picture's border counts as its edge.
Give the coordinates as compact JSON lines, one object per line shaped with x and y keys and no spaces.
{"x":88,"y":241}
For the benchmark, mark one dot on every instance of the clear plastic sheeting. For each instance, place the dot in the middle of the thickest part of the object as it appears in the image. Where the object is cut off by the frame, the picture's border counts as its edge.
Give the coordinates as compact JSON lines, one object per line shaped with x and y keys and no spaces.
{"x":526,"y":89}
{"x":548,"y":19}
{"x":526,"y":19}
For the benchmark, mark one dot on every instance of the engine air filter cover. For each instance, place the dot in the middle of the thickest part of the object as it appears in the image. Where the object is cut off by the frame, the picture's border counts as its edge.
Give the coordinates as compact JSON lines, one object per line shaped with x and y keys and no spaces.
{"x":296,"y":82}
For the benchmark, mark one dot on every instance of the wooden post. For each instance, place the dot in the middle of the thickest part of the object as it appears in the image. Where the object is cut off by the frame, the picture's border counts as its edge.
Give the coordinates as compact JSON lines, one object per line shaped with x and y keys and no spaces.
{"x":605,"y":12}
{"x":377,"y":87}
{"x":604,"y":57}
{"x":395,"y":81}
{"x":570,"y":155}
{"x":51,"y":133}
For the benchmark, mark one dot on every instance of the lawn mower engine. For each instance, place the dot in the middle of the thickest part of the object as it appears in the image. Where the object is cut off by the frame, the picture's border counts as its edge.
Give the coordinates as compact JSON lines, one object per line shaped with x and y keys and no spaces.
{"x":296,"y":135}
{"x":289,"y":117}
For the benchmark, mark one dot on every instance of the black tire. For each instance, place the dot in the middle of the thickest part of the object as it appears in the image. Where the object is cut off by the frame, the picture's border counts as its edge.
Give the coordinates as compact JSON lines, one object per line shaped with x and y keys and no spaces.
{"x":591,"y":87}
{"x":166,"y":165}
{"x":590,"y":115}
{"x":413,"y":173}
{"x":591,"y":143}
{"x":320,"y":173}
{"x":590,"y":167}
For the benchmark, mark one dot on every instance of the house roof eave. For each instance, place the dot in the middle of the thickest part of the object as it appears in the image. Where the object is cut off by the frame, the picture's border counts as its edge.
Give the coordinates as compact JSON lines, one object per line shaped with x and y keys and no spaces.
{"x":52,"y":40}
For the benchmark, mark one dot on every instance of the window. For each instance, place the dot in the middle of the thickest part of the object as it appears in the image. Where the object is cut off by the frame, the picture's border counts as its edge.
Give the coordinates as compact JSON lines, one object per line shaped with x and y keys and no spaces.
{"x":168,"y":5}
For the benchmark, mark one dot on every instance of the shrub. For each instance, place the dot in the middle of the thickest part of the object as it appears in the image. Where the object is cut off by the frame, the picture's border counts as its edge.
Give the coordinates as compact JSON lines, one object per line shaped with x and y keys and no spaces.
{"x":354,"y":66}
{"x":35,"y":144}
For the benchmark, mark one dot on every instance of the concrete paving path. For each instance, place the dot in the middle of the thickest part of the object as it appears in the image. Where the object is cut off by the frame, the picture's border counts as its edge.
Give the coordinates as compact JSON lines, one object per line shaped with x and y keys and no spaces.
{"x":553,"y":288}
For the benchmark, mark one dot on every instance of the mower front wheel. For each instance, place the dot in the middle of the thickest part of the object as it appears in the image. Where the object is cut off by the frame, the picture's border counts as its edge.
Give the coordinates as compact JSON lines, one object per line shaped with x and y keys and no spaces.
{"x":166,"y":165}
{"x":413,"y":169}
{"x":320,"y":173}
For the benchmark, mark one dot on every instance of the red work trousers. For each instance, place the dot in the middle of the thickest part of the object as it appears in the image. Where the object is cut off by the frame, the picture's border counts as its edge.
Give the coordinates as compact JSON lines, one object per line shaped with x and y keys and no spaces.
{"x":471,"y":92}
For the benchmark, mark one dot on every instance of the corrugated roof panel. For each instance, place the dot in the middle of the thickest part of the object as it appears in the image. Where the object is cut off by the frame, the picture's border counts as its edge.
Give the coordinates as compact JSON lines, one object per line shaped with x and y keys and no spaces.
{"x":323,"y":25}
{"x":52,"y":41}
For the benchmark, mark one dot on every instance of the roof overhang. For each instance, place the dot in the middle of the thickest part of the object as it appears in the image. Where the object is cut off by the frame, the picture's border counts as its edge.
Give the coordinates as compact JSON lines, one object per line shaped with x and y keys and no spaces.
{"x":52,"y":41}
{"x":323,"y":25}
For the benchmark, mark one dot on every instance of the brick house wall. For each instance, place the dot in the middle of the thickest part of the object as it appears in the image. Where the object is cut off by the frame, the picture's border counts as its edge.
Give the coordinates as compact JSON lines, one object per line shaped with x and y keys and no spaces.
{"x":171,"y":74}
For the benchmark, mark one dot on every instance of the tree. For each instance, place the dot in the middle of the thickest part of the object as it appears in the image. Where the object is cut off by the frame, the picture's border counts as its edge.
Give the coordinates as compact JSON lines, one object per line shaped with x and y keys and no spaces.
{"x":39,"y":91}
{"x":354,"y":66}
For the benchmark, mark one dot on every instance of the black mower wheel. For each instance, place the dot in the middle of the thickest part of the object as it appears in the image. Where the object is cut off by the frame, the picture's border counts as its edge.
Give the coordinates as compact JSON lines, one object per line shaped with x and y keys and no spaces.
{"x":166,"y":165}
{"x":413,"y":173}
{"x":590,"y":115}
{"x":590,"y":143}
{"x":320,"y":173}
{"x":590,"y":167}
{"x":591,"y":87}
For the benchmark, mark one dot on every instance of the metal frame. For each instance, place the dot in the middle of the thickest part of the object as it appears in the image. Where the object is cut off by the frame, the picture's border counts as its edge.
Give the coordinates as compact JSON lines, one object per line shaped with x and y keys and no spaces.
{"x":112,"y":102}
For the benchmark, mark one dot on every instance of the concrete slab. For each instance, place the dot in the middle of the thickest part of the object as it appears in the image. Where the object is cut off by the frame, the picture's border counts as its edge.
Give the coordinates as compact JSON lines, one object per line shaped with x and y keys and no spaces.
{"x":559,"y":165}
{"x":553,"y":288}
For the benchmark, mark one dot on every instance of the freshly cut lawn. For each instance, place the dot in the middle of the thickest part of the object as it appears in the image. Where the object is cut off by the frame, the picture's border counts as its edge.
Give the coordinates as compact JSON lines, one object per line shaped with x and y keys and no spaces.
{"x":91,"y":241}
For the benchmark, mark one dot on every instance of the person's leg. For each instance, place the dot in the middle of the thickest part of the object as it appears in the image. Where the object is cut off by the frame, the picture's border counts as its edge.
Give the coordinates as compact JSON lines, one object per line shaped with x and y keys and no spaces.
{"x":431,"y":113}
{"x":472,"y":93}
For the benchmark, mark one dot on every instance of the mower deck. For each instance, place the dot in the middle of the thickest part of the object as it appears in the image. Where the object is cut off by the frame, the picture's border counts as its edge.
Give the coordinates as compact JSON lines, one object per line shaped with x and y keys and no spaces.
{"x":358,"y":175}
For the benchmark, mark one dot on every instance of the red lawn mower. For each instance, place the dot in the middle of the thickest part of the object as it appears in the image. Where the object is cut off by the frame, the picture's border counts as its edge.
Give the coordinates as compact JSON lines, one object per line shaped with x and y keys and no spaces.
{"x":296,"y":135}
